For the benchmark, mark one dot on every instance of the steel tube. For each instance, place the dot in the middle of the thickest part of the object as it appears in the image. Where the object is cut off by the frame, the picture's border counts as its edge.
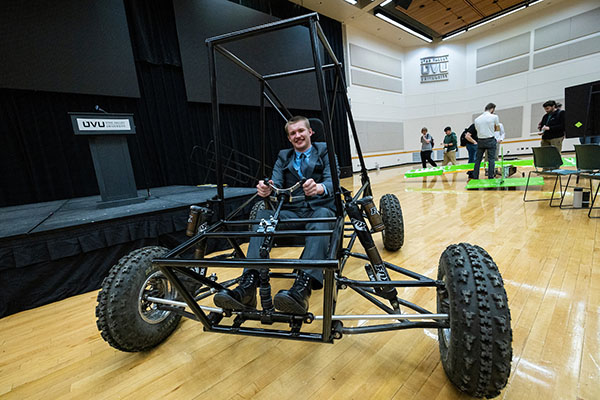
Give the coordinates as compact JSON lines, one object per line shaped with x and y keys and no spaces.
{"x":250,"y":263}
{"x":296,"y":72}
{"x":181,"y":304}
{"x":247,"y":234}
{"x":227,"y":37}
{"x":368,"y":317}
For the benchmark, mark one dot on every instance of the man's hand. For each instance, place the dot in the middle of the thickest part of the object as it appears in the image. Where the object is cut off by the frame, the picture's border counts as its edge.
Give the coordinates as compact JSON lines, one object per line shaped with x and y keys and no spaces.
{"x":264,"y":190}
{"x":311,"y":188}
{"x":545,"y":128}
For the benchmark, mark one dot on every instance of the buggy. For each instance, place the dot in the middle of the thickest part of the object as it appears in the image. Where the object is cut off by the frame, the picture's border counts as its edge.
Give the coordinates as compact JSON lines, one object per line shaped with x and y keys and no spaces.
{"x":149,"y":290}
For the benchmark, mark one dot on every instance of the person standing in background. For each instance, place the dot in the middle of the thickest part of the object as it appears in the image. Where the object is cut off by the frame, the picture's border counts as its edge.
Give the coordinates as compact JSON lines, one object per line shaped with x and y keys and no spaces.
{"x":486,"y":124}
{"x":499,"y":135}
{"x":471,"y":142}
{"x":426,"y":148}
{"x":450,"y":146}
{"x":552,"y":126}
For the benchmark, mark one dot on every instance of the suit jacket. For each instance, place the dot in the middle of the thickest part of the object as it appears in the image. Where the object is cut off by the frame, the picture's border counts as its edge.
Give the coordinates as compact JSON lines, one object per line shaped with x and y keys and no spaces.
{"x":284,"y":175}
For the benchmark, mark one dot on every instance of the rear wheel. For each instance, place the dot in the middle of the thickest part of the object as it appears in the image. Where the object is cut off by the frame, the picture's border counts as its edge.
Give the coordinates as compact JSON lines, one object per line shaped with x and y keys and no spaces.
{"x":126,"y":319}
{"x":476,"y":350}
{"x":391,"y":214}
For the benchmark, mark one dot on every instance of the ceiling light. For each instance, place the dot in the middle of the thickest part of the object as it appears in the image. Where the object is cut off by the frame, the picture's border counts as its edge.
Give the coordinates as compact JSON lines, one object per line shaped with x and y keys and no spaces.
{"x":353,"y":2}
{"x":453,"y":35}
{"x":496,"y":18}
{"x":534,"y":2}
{"x":385,"y":3}
{"x":404,"y":27}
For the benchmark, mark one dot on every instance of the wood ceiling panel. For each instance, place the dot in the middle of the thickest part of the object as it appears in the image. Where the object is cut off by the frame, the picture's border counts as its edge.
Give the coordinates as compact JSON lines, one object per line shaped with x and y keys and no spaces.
{"x":444,"y":16}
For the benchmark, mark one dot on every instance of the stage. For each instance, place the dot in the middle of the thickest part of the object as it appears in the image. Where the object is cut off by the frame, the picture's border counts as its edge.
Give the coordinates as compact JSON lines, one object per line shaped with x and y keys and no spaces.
{"x":53,"y":250}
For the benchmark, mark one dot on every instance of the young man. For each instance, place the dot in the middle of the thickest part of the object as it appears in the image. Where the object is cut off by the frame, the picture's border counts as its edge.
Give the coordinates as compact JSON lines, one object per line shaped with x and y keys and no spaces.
{"x":314,"y":200}
{"x":486,"y":125}
{"x":426,"y":148}
{"x":552,"y":126}
{"x":450,"y":146}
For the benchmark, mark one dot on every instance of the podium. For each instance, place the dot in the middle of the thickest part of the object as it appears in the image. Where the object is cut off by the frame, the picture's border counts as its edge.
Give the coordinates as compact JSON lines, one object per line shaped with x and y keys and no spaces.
{"x":108,"y":144}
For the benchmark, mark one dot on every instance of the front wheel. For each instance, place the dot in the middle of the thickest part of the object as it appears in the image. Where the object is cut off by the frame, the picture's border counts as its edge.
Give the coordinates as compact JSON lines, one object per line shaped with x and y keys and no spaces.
{"x":476,"y":350}
{"x":126,"y":319}
{"x":391,"y":214}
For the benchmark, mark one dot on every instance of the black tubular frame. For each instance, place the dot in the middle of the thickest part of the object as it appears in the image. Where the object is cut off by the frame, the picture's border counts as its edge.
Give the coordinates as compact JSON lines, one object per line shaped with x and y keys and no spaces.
{"x":174,"y":263}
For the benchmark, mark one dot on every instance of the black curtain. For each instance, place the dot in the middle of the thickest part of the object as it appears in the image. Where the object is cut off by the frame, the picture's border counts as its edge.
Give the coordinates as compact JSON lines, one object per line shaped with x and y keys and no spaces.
{"x":42,"y":160}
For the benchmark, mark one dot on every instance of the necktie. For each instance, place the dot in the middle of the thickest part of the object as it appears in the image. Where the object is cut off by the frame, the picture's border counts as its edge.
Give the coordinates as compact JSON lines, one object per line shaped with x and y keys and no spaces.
{"x":303,"y":165}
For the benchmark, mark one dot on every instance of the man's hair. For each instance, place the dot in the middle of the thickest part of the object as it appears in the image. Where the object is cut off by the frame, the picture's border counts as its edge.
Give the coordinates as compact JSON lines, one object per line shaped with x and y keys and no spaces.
{"x":549,"y":103}
{"x":446,"y":129}
{"x":295,"y":119}
{"x":490,"y":106}
{"x":423,"y":129}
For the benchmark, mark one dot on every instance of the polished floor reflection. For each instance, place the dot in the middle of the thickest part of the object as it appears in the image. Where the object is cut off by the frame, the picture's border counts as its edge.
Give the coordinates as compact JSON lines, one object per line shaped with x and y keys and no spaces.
{"x":549,"y":259}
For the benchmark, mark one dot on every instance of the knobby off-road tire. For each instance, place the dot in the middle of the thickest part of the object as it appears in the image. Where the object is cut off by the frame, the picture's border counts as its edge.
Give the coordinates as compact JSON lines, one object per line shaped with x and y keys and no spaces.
{"x":476,"y":351}
{"x":127,"y":321}
{"x":391,"y":213}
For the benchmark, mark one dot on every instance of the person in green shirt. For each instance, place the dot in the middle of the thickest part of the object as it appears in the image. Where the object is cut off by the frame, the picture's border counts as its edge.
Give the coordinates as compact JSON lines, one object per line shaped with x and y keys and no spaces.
{"x":450,"y":146}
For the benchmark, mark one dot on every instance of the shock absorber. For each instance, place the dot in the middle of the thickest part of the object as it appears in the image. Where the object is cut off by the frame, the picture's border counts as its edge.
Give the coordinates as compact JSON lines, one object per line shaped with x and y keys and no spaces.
{"x":266,"y":300}
{"x":198,"y":223}
{"x":376,"y":270}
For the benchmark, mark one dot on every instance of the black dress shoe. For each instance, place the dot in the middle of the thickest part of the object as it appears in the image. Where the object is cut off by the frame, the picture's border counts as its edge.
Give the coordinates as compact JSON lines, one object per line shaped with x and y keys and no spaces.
{"x":295,"y":300}
{"x":243,"y":297}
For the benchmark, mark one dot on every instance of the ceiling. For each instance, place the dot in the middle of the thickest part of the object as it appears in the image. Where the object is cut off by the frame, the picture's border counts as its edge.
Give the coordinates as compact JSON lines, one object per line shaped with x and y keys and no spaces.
{"x":440,"y":17}
{"x":434,"y":18}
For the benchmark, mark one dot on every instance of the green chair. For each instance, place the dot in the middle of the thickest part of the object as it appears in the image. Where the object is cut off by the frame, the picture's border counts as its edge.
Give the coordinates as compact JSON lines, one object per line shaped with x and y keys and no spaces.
{"x":588,"y":165}
{"x":547,"y":162}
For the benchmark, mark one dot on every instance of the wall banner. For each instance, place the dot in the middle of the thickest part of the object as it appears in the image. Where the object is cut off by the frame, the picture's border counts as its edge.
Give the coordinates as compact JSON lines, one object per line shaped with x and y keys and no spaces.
{"x":434,"y":69}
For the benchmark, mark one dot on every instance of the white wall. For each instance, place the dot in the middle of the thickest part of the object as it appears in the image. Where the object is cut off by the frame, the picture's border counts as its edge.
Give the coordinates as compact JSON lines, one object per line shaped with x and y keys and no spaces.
{"x":453,"y":102}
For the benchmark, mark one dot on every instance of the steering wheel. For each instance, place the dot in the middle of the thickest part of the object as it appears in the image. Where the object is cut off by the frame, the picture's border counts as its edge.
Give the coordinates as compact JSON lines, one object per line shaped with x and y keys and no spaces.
{"x":286,"y":193}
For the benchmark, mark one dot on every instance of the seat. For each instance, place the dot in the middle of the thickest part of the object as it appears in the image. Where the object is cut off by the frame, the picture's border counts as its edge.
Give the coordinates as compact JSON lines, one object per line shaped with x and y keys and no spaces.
{"x":547,"y":162}
{"x":588,"y":167}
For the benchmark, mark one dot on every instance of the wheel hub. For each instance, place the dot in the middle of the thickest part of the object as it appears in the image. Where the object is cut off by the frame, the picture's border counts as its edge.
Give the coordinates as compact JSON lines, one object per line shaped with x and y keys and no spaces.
{"x":156,"y":285}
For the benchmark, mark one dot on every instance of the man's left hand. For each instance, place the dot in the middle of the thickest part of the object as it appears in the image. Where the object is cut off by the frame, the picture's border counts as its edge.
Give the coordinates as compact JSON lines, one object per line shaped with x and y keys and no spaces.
{"x":311,"y":188}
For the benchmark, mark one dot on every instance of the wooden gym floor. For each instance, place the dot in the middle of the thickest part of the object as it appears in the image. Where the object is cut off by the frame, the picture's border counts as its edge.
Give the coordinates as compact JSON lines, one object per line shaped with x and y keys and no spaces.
{"x":549,"y":259}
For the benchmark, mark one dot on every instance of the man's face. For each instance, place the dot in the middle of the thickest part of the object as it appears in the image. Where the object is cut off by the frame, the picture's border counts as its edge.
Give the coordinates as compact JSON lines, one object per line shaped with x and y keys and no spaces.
{"x":299,"y":136}
{"x":447,"y":132}
{"x":549,"y":109}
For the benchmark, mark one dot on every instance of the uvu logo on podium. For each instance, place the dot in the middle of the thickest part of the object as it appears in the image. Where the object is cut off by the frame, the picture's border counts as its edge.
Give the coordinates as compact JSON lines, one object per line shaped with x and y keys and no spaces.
{"x":434,"y":69}
{"x":103,"y":124}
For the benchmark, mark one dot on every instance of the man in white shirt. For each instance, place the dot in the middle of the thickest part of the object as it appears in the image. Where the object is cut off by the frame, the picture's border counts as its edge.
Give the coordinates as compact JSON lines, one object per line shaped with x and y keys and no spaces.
{"x":487,"y":124}
{"x":499,"y":135}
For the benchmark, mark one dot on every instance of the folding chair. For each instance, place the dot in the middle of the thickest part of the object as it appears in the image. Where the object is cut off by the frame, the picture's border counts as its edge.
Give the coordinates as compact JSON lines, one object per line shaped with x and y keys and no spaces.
{"x":588,"y":164}
{"x":547,"y":162}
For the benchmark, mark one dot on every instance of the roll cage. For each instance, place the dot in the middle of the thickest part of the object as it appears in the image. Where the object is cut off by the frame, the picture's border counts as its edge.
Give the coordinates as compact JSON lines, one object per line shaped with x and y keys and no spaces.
{"x":379,"y":286}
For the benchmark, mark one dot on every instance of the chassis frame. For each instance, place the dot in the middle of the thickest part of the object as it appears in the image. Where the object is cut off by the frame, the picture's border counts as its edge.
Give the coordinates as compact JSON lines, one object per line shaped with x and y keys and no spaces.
{"x":377,"y":289}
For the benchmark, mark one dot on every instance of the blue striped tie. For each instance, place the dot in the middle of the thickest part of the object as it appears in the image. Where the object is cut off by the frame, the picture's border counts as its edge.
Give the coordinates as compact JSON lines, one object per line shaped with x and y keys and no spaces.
{"x":303,"y":165}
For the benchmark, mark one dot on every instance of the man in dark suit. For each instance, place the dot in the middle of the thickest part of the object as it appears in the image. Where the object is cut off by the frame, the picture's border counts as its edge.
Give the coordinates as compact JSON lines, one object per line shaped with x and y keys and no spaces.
{"x":313,"y":200}
{"x":552,"y":126}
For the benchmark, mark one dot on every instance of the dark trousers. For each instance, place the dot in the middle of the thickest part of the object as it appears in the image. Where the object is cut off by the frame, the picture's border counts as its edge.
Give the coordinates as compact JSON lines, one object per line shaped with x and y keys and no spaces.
{"x":472,"y":149}
{"x":483,"y":145}
{"x":589,"y":140}
{"x":315,"y":247}
{"x":425,"y":157}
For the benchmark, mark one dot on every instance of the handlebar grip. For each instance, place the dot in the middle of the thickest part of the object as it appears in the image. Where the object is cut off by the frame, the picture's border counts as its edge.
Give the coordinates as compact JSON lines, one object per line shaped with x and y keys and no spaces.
{"x":302,"y":181}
